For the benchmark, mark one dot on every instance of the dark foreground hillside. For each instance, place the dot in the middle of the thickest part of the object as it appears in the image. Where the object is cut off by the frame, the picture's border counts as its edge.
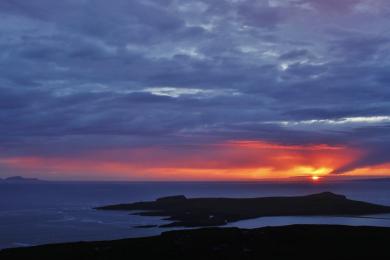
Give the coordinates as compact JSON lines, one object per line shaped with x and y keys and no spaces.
{"x":304,"y":241}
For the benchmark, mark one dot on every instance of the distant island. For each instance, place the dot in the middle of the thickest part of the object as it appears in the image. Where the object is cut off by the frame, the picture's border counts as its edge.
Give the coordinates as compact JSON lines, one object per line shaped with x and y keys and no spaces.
{"x":300,"y":241}
{"x":18,"y":179}
{"x":201,"y":212}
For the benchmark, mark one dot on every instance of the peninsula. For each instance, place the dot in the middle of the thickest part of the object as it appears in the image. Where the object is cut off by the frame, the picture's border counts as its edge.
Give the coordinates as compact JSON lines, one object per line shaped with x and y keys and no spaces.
{"x":202,"y":212}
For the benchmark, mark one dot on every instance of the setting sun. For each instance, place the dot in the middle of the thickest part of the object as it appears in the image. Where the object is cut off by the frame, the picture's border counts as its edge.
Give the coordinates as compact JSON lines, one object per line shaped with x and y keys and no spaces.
{"x":315,"y":178}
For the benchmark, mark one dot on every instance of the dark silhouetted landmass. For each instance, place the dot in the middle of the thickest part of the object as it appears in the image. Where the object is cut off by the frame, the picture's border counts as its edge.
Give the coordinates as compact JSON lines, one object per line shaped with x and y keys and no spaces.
{"x":372,"y":180}
{"x":20,"y":179}
{"x":303,"y":241}
{"x":145,"y":226}
{"x":200,"y":212}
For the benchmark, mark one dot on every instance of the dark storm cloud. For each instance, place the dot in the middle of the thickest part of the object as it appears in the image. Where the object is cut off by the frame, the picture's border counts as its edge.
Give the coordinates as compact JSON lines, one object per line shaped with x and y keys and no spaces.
{"x":162,"y":72}
{"x":361,"y":47}
{"x":376,"y":141}
{"x":257,"y":14}
{"x":332,"y":5}
{"x":294,"y":54}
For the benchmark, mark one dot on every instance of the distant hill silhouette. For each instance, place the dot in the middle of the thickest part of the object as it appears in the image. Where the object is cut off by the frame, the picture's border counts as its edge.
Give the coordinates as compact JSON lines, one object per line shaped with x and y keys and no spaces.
{"x":20,"y":179}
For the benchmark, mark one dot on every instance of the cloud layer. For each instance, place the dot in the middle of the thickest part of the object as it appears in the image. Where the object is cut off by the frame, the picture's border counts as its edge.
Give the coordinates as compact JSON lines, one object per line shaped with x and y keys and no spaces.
{"x":85,"y":77}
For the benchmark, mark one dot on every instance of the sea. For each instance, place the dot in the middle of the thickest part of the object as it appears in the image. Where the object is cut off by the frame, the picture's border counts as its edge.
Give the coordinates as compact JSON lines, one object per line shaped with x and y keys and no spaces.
{"x":55,"y":212}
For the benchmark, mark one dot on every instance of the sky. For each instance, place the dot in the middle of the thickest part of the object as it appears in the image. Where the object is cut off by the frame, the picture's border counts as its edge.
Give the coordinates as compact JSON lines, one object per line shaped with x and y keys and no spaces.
{"x":194,"y":90}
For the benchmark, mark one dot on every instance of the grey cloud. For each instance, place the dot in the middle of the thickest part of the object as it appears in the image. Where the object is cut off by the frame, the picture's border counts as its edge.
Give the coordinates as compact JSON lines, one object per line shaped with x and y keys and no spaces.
{"x":73,"y":71}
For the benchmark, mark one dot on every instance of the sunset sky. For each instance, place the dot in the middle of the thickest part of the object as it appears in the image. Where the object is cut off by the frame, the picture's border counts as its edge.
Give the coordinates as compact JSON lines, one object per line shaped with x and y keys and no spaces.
{"x":194,"y":90}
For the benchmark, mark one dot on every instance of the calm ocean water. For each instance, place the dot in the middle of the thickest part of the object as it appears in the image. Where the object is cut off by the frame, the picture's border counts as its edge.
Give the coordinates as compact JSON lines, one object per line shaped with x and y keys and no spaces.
{"x":41,"y":213}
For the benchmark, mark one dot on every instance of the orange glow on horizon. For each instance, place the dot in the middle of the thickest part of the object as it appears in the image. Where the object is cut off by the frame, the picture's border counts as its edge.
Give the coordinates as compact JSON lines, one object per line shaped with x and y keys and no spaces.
{"x":233,"y":160}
